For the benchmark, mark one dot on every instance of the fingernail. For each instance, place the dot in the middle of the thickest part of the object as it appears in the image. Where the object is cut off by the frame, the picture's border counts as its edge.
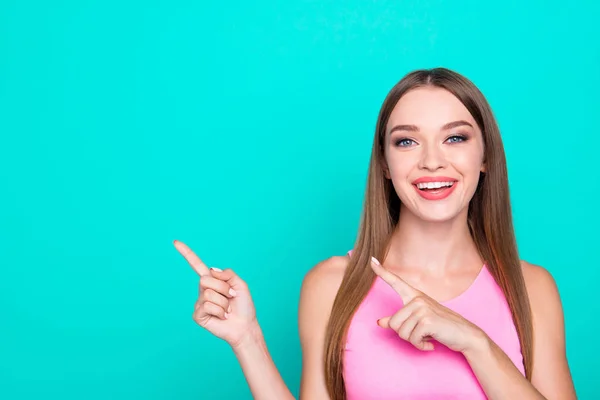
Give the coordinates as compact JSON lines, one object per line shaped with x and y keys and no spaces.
{"x":232,"y":292}
{"x":226,"y":315}
{"x":216,"y":269}
{"x":375,"y":261}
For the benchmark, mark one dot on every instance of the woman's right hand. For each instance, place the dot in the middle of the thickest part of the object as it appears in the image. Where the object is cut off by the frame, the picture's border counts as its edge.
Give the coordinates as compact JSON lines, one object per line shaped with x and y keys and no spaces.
{"x":224,"y":306}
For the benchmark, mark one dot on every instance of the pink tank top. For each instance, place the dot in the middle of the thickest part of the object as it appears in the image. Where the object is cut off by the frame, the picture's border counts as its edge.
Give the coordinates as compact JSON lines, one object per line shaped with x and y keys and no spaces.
{"x":379,"y":365}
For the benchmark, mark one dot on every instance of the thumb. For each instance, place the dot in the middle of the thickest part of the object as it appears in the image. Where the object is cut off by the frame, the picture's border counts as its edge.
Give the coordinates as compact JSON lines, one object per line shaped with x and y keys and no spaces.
{"x":384,"y":322}
{"x":425,"y":343}
{"x":230,"y":277}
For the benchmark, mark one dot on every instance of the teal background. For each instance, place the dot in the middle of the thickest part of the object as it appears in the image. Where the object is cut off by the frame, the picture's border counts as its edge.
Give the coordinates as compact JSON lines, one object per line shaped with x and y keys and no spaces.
{"x":244,"y":129}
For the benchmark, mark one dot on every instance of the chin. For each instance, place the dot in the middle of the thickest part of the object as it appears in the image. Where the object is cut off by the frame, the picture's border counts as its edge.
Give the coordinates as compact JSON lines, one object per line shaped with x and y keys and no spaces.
{"x":437,"y":217}
{"x":437,"y":213}
{"x":444,"y":210}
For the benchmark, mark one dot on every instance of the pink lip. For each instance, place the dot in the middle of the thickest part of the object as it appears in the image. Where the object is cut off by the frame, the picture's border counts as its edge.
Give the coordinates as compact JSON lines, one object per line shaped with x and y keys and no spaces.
{"x":426,"y":179}
{"x":441,"y":194}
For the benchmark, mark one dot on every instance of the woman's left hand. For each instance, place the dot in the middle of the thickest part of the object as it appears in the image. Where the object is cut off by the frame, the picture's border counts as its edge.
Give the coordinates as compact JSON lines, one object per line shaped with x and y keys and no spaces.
{"x":423,"y":318}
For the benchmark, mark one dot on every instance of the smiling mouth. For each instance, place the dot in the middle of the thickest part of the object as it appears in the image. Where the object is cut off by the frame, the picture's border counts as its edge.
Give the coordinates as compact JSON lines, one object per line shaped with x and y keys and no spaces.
{"x":434,"y":186}
{"x":435,"y":190}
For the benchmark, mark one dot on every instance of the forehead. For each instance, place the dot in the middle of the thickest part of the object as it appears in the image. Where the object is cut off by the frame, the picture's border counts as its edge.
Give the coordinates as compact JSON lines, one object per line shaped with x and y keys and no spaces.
{"x":428,"y":108}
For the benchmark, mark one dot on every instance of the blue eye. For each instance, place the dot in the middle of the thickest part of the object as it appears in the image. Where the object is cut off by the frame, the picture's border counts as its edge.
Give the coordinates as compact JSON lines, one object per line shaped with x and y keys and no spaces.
{"x":403,"y":142}
{"x":457,"y":139}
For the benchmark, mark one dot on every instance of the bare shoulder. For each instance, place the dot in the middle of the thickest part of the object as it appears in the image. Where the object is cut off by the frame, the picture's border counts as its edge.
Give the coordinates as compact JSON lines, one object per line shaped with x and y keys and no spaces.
{"x":550,"y":371}
{"x":545,"y":301}
{"x":319,"y":288}
{"x":540,"y":284}
{"x":322,"y":282}
{"x":326,"y":276}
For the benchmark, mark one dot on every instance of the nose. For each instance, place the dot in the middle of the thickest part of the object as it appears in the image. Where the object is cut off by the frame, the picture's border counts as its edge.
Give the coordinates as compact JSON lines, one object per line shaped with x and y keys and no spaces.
{"x":432,"y":158}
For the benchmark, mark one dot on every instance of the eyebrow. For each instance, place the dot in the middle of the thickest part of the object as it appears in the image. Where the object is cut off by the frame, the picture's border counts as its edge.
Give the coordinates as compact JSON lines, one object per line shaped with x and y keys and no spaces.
{"x":414,"y":128}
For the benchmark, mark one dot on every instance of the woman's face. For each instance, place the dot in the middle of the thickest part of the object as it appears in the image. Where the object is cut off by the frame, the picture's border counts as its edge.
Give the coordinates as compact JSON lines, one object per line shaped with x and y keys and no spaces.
{"x":434,"y":153}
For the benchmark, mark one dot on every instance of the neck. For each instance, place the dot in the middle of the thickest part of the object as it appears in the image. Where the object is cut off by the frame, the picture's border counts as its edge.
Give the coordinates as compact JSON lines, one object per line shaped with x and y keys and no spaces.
{"x":432,"y":247}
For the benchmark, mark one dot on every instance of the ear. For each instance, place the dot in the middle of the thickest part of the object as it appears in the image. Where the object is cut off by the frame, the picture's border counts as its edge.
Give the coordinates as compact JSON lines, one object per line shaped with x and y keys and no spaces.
{"x":383,"y":165}
{"x":386,"y":171}
{"x":483,"y":168}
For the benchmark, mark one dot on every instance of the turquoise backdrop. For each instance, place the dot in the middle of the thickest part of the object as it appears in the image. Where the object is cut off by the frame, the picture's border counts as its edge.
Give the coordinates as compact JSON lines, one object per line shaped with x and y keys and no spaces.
{"x":244,"y":129}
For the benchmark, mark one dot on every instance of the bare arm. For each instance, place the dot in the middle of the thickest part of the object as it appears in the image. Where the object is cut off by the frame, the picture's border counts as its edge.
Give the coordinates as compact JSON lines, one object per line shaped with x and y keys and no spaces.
{"x":225,"y":309}
{"x":551,"y":374}
{"x":318,"y":292}
{"x":497,"y":374}
{"x":319,"y":289}
{"x":551,"y":378}
{"x":260,"y":371}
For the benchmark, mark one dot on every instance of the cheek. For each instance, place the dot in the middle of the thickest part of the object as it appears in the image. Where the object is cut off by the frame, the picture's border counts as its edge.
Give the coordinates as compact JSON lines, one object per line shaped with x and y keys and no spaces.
{"x":401,"y":168}
{"x":401,"y":165}
{"x":467,"y":163}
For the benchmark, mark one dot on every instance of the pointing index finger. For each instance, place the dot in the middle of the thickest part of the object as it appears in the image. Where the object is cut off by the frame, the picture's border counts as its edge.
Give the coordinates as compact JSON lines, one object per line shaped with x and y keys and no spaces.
{"x":406,"y":292}
{"x":191,"y":257}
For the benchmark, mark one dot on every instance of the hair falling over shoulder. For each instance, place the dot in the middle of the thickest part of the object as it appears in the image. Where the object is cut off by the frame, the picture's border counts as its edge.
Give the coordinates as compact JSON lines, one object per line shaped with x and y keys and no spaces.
{"x":489,"y":219}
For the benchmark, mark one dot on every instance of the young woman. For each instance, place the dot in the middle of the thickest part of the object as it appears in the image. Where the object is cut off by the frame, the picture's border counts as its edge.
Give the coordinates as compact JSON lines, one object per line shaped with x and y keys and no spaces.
{"x":433,"y":301}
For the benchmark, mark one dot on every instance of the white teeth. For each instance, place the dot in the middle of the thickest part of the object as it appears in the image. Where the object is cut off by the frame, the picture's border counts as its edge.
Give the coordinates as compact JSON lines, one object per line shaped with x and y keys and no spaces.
{"x":434,"y":185}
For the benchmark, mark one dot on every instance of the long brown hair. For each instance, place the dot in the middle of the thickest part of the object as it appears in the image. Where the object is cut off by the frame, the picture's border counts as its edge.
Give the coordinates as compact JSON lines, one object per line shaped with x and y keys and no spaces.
{"x":489,"y":220}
